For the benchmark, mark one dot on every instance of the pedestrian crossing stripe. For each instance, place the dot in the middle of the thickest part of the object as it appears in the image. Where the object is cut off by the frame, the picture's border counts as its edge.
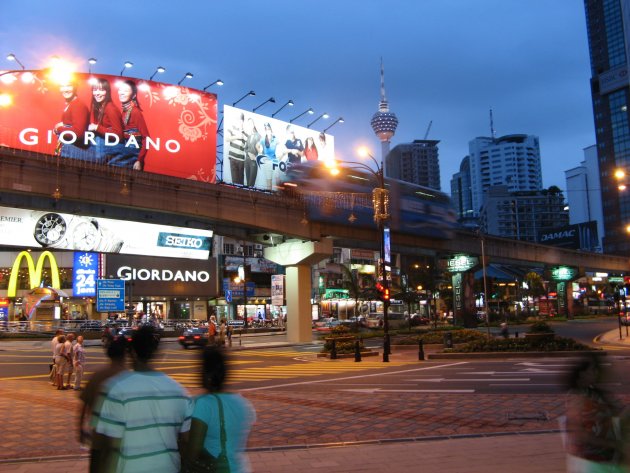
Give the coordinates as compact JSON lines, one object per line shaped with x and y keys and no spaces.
{"x":286,"y":372}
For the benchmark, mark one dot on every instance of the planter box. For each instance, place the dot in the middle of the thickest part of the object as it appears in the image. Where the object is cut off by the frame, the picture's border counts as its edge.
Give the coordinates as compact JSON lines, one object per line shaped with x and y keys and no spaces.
{"x":539,"y":337}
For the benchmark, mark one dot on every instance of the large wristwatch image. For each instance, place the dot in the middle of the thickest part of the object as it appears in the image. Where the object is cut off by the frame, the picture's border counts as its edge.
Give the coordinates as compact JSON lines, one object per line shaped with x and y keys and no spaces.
{"x":71,"y":232}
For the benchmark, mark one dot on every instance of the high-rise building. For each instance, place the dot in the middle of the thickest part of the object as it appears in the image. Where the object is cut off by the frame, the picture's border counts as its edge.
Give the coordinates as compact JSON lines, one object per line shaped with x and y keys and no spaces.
{"x":415,"y":162}
{"x":583,"y":193}
{"x":461,"y":195}
{"x":608,"y":27}
{"x":384,"y":122}
{"x":511,"y":160}
{"x":522,"y":215}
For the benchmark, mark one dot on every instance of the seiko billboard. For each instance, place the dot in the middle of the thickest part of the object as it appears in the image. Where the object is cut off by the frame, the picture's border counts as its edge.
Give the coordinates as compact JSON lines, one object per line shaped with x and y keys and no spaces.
{"x":61,"y":231}
{"x":164,"y":277}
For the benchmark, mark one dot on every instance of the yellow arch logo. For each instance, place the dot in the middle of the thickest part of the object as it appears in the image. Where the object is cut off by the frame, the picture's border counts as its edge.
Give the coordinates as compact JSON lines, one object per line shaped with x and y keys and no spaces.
{"x":34,"y":271}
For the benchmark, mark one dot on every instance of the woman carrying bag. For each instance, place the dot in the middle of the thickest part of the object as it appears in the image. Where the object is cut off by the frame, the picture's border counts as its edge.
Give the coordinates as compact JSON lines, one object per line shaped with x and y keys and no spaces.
{"x":220,"y":425}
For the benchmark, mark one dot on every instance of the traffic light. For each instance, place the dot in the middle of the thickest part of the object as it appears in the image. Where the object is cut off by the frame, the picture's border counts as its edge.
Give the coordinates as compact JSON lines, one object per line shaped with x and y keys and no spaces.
{"x":383,"y":292}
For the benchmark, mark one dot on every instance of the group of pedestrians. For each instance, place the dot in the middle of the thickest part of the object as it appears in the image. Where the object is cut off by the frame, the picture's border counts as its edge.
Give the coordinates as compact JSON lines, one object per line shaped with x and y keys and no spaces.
{"x":141,"y":420}
{"x":68,"y":359}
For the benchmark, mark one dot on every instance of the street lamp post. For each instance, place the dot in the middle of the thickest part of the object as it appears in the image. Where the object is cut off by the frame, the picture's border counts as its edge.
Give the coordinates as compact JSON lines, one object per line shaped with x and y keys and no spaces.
{"x":380,"y":203}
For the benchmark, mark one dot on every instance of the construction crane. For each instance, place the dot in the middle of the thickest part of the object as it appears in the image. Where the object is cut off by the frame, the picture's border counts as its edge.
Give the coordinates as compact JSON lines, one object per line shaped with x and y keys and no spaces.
{"x":428,"y":129}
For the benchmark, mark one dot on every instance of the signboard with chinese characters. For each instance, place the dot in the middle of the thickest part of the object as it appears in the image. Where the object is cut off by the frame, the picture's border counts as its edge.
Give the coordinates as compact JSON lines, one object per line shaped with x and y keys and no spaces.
{"x":277,"y":289}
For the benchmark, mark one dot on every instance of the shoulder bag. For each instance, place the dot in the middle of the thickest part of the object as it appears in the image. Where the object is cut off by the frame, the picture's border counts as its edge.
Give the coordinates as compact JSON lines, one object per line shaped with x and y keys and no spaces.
{"x":206,"y":463}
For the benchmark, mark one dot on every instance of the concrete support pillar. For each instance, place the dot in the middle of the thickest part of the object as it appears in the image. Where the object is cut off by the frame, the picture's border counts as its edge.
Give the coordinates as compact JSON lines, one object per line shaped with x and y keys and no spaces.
{"x":298,"y":257}
{"x":298,"y":293}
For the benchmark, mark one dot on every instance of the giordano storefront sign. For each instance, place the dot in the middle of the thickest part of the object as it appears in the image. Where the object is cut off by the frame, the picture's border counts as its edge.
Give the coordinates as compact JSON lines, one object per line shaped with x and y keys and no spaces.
{"x":34,"y":271}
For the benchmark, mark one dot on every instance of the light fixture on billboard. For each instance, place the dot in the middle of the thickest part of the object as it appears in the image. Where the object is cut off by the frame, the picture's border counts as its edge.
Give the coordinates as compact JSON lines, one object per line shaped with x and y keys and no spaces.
{"x":289,"y":103}
{"x":159,"y":70}
{"x":323,"y":115}
{"x":310,"y":111}
{"x":91,"y":62}
{"x":251,"y":92}
{"x":269,"y":100}
{"x":11,"y":57}
{"x":338,"y":120}
{"x":218,"y":82}
{"x":127,"y":65}
{"x":188,"y":75}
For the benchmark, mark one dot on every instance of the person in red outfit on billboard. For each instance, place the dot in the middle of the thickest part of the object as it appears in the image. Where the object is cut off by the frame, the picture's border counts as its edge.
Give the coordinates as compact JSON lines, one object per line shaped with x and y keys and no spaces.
{"x":132,"y":151}
{"x":73,"y":125}
{"x":105,"y":118}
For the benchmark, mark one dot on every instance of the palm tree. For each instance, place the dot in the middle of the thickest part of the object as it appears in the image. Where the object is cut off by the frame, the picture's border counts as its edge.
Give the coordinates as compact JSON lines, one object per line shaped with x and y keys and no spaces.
{"x":535,"y":286}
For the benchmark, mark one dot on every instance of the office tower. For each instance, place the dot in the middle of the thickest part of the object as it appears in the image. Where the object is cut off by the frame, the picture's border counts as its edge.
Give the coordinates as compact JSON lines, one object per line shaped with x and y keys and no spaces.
{"x":608,"y":27}
{"x":511,"y":160}
{"x":461,"y":195}
{"x":415,"y":162}
{"x":583,"y":193}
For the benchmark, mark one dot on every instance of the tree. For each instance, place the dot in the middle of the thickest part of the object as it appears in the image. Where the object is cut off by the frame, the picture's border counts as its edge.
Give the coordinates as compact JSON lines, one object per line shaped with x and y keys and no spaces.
{"x":535,"y":286}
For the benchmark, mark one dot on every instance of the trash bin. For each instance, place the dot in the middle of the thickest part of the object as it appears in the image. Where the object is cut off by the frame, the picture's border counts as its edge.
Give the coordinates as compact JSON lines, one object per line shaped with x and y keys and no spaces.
{"x":448,"y":340}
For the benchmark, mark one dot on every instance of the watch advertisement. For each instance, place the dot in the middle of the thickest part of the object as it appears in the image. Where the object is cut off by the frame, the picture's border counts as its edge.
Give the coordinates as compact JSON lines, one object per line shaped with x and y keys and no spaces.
{"x":111,"y":121}
{"x":56,"y":230}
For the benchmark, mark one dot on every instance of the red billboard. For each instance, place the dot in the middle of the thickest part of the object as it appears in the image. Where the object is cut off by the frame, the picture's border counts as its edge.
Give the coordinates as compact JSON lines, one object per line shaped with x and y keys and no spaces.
{"x":113,"y":121}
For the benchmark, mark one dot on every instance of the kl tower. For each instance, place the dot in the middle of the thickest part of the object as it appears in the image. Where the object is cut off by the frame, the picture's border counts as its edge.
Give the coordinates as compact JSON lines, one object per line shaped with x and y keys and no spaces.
{"x":384,"y":122}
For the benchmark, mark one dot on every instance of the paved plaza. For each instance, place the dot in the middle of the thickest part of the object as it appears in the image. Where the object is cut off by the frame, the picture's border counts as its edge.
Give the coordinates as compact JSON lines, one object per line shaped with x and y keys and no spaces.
{"x":306,"y":431}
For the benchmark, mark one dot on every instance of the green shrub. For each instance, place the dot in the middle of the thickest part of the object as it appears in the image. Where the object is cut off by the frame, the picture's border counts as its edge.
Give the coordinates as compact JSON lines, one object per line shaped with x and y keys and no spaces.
{"x":520,"y":345}
{"x":459,"y":336}
{"x":540,"y":327}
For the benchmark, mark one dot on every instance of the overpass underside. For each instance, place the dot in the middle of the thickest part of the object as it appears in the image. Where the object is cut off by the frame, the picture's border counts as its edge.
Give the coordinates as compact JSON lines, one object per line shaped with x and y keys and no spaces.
{"x":41,"y":182}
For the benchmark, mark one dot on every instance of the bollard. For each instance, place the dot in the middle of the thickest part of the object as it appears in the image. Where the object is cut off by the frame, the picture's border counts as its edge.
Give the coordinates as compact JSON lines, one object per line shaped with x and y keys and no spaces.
{"x":420,"y":350}
{"x":516,"y":334}
{"x":386,"y":348}
{"x":448,"y":340}
{"x":357,"y":351}
{"x":333,"y":350}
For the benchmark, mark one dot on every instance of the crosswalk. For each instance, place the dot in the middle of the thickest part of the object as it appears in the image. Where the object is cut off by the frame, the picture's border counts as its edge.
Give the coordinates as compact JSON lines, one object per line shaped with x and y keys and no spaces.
{"x":305,"y":365}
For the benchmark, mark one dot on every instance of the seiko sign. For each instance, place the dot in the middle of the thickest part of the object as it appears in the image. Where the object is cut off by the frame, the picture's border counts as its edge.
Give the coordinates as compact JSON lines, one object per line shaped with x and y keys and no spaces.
{"x":129,"y":273}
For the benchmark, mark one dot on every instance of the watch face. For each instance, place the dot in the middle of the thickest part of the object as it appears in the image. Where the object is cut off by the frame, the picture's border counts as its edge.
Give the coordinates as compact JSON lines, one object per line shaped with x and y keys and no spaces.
{"x":86,"y":236}
{"x":50,"y":229}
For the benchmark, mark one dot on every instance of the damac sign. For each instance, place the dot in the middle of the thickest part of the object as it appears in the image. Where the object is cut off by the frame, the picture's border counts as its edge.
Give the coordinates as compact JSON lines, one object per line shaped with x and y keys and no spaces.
{"x":143,"y":274}
{"x":34,"y":271}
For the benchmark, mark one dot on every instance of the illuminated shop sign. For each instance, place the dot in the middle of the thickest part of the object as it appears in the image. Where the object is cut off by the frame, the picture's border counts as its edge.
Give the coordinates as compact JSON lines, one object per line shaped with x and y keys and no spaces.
{"x":40,"y":229}
{"x":84,"y":274}
{"x":461,"y":263}
{"x":150,"y":276}
{"x":145,"y":125}
{"x":258,"y":149}
{"x":563,"y":273}
{"x":34,"y":271}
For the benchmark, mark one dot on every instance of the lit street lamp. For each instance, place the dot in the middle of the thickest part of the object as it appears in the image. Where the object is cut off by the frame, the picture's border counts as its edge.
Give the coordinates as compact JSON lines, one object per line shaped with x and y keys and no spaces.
{"x":380,"y":203}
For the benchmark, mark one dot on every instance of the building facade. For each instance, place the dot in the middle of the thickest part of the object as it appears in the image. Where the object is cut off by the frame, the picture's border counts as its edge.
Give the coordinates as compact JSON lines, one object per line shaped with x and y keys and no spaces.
{"x":461,"y":195}
{"x":608,"y":27}
{"x":512,"y":161}
{"x":415,"y":162}
{"x":583,"y":194}
{"x":522,"y":215}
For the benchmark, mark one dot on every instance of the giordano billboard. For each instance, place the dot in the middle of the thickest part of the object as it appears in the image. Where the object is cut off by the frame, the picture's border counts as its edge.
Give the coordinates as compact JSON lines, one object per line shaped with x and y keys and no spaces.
{"x":113,"y":121}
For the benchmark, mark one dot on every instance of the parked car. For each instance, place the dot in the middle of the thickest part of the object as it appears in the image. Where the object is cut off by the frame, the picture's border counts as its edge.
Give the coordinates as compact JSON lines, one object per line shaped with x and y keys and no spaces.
{"x":197,"y":336}
{"x":624,"y":319}
{"x":417,"y":319}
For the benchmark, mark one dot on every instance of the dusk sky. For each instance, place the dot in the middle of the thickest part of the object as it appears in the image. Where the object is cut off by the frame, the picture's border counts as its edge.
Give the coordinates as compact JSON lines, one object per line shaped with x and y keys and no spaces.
{"x":446,"y":61}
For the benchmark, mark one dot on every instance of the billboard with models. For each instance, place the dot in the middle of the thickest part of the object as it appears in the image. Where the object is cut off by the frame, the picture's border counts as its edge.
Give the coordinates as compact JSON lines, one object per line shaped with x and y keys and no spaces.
{"x":258,"y":150}
{"x":112,"y":121}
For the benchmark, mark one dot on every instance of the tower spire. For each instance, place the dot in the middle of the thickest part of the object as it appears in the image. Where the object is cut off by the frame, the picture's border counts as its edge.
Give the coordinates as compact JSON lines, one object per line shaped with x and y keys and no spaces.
{"x":384,"y":122}
{"x":383,"y":105}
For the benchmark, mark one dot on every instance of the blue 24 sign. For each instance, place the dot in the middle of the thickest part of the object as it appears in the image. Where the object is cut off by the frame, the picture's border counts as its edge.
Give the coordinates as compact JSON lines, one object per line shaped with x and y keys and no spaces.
{"x":84,"y":274}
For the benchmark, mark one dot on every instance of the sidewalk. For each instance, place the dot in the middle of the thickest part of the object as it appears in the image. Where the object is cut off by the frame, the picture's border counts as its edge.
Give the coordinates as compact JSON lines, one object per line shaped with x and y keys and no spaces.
{"x":532,"y":453}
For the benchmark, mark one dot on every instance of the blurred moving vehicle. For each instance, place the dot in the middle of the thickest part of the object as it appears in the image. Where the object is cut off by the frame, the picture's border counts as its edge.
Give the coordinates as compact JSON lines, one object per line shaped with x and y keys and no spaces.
{"x":196,"y":336}
{"x":414,"y":209}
